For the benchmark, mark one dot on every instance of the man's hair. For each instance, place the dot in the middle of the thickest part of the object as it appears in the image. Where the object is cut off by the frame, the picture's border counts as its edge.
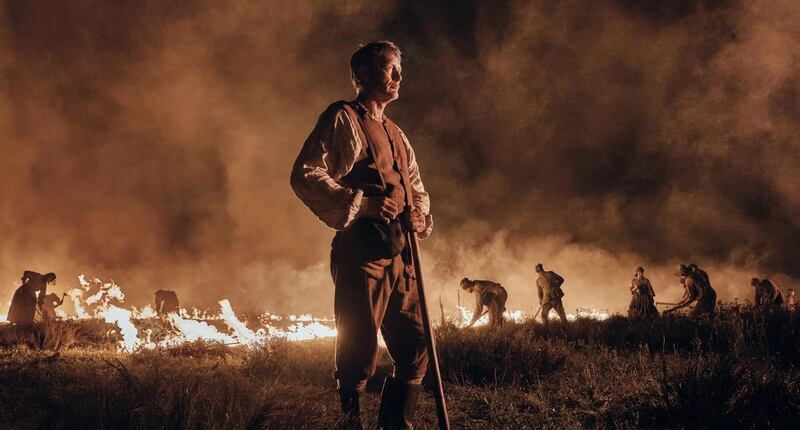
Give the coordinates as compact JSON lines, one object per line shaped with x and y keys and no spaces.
{"x":465,"y":283}
{"x":754,"y":281}
{"x":367,"y":55}
{"x":639,"y":269}
{"x":49,"y":277}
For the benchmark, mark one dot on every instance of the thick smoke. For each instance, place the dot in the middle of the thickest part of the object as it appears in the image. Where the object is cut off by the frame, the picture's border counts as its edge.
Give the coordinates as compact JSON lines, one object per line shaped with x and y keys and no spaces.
{"x":151,"y":143}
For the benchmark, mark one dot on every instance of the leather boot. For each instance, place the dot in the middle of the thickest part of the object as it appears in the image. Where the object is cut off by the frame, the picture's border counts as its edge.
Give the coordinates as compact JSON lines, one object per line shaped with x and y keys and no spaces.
{"x":351,"y":407}
{"x":398,"y":404}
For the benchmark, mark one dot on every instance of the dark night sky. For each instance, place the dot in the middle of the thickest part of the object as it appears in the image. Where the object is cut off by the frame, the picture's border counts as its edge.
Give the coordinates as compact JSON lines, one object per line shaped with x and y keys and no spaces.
{"x":151,"y":142}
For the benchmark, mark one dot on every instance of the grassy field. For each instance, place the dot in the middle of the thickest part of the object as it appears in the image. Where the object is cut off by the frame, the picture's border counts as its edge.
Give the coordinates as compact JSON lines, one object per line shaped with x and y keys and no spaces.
{"x":739,"y":370}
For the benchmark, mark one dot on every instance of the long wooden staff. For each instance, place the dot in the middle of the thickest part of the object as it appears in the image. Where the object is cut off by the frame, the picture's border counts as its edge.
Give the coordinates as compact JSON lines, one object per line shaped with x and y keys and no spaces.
{"x":441,"y":406}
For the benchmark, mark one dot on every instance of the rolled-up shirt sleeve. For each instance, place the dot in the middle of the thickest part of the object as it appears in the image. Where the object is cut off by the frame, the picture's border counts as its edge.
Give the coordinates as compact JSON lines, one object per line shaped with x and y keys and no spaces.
{"x":420,"y":198}
{"x":327,"y":155}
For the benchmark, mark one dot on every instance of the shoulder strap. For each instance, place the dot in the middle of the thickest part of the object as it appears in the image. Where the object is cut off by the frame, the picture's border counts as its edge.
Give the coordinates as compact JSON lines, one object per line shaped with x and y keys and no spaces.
{"x":402,"y":156}
{"x":355,"y":118}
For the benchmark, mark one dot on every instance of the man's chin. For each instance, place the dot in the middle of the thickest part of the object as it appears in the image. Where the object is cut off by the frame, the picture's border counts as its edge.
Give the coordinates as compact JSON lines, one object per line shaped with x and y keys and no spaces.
{"x":386,"y":97}
{"x":390,"y":97}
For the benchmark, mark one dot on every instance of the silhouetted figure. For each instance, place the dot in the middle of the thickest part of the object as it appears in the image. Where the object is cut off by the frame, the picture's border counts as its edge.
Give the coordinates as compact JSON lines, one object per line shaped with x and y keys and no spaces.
{"x":642,"y":297}
{"x":697,"y":290}
{"x":357,"y":172}
{"x":769,"y":295}
{"x":489,"y":294}
{"x":166,"y":302}
{"x":51,"y":302}
{"x":755,"y":284}
{"x":700,"y":272}
{"x":791,"y":300}
{"x":548,"y":286}
{"x":25,"y":303}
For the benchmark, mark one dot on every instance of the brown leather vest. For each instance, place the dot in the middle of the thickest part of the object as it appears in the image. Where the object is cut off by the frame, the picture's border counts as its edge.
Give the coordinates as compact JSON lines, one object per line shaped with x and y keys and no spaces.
{"x":386,"y":161}
{"x":384,"y":165}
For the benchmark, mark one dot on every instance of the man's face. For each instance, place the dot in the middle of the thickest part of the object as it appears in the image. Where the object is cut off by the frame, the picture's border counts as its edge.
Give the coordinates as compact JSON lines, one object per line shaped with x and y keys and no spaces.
{"x":639,"y":275}
{"x":384,"y":81}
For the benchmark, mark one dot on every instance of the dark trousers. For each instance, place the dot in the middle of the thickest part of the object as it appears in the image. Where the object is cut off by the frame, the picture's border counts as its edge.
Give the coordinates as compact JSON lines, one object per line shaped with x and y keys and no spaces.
{"x":371,"y":296}
{"x":706,"y":305}
{"x":497,"y":307}
{"x":553,"y":305}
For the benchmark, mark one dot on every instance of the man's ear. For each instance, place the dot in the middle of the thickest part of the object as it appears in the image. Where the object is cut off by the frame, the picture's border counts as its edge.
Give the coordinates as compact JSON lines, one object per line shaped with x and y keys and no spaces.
{"x":363,"y":74}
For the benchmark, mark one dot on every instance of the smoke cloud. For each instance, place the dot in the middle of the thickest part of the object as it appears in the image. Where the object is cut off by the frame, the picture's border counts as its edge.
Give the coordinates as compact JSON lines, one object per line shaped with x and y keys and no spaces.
{"x":151,"y":143}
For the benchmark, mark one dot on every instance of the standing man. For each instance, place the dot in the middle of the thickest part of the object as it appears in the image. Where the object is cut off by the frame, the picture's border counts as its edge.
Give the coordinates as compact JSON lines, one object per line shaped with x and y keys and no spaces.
{"x":357,"y":172}
{"x":548,"y":287}
{"x":489,"y":294}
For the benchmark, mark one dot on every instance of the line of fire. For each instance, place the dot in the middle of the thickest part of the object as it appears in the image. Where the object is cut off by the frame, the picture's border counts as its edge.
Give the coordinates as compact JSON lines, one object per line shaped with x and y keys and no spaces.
{"x":164,"y":325}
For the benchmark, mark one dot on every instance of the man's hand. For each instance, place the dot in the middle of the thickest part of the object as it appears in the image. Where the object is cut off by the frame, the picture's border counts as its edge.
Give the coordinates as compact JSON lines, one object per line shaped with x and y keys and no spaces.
{"x":418,"y":221}
{"x":382,"y":208}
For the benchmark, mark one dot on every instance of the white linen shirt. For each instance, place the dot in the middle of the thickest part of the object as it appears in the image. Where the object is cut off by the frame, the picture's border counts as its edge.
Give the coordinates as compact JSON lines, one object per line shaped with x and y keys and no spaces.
{"x":328,"y":154}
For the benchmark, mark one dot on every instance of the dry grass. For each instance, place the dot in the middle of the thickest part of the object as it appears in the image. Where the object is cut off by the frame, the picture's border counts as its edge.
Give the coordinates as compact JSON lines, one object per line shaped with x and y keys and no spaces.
{"x":59,"y":335}
{"x":737,"y":371}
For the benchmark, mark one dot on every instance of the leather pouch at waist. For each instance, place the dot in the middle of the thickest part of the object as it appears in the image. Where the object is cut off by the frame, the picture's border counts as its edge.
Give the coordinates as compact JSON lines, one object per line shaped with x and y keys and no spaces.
{"x":370,"y":239}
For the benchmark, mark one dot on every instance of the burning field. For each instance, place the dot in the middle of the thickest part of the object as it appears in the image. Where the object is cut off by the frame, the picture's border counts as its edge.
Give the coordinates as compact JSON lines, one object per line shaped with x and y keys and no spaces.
{"x":153,"y":142}
{"x":143,"y":329}
{"x":104,"y":364}
{"x":138,"y":329}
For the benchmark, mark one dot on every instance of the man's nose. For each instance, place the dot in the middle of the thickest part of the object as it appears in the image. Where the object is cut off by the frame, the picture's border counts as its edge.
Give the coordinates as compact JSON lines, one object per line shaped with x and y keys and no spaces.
{"x":397,"y":76}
